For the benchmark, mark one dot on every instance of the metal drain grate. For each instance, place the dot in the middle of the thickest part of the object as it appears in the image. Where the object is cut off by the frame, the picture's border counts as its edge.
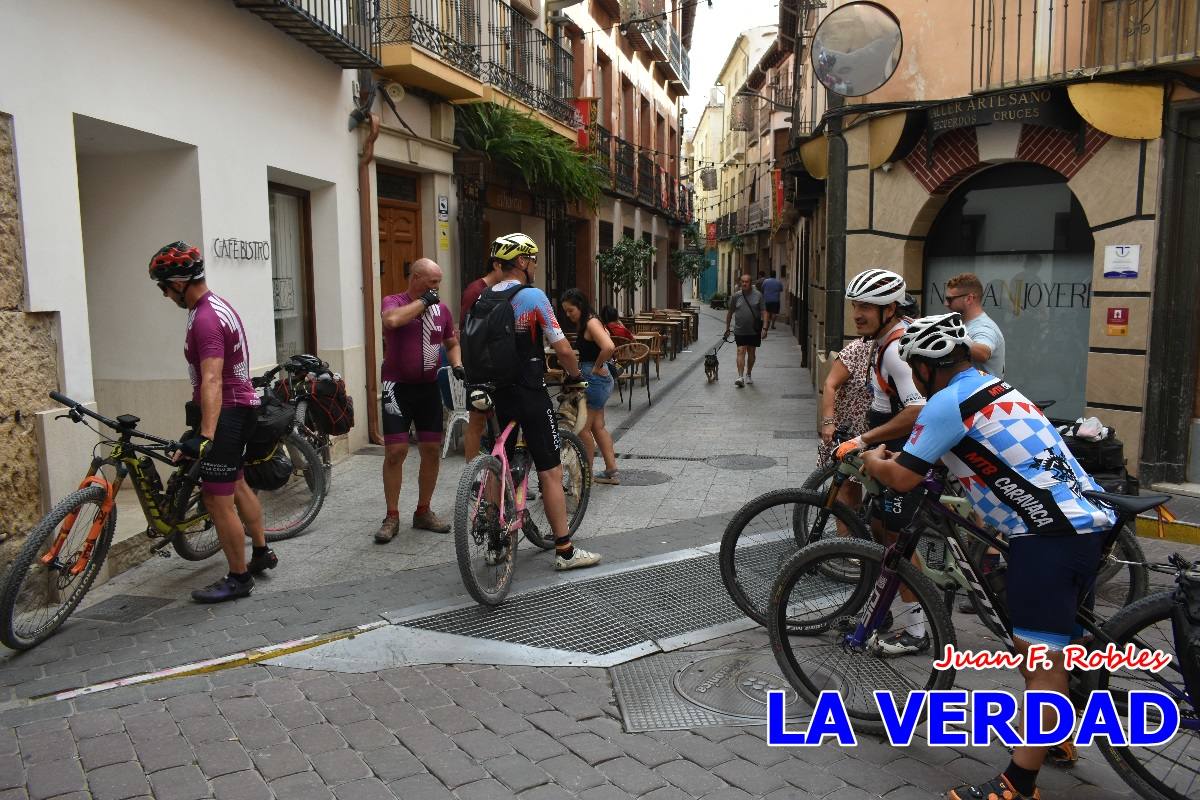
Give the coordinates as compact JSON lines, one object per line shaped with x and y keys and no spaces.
{"x":802,"y":396}
{"x":639,"y":457}
{"x":741,"y":462}
{"x":643,"y":477}
{"x":795,"y":434}
{"x":123,"y":608}
{"x":621,"y":610}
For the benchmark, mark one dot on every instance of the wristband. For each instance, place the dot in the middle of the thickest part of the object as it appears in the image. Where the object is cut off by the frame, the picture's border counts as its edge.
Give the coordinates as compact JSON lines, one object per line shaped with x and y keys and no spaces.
{"x":829,"y":421}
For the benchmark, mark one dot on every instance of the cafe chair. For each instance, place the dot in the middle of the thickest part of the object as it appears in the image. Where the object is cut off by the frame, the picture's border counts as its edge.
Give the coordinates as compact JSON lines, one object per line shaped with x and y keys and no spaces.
{"x":458,"y":410}
{"x":655,"y":345}
{"x":632,"y":356}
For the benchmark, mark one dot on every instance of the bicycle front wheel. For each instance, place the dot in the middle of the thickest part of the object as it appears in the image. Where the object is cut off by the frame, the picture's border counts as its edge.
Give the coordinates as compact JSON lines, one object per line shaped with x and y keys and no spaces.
{"x":812,"y":617}
{"x":762,"y":536}
{"x":196,"y":538}
{"x":1170,"y":771}
{"x":485,"y":550}
{"x":577,"y":489}
{"x":292,"y":507}
{"x":37,"y":598}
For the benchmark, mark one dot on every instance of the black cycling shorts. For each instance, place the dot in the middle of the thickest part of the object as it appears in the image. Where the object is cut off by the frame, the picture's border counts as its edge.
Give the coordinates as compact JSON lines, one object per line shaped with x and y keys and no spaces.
{"x":407,"y":405}
{"x":877,"y":418}
{"x":1047,"y":579}
{"x":221,"y":468}
{"x":532,"y":410}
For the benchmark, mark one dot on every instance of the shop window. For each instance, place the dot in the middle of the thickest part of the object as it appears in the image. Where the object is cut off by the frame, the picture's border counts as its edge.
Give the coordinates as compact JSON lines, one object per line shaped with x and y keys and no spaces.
{"x":1022,"y":232}
{"x":291,"y":272}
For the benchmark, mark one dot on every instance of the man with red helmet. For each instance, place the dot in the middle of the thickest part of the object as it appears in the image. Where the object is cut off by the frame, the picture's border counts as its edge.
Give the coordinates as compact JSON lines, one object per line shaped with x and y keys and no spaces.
{"x":218,"y":359}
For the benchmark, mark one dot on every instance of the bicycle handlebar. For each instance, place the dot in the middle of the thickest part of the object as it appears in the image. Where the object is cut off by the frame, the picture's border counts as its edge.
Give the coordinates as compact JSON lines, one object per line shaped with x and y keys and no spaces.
{"x":78,"y":410}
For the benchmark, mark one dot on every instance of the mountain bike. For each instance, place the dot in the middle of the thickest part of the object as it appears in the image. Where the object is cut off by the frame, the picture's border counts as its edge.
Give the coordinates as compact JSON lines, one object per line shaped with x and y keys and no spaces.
{"x":491,"y":504}
{"x":64,"y":552}
{"x":826,"y":633}
{"x":292,"y":388}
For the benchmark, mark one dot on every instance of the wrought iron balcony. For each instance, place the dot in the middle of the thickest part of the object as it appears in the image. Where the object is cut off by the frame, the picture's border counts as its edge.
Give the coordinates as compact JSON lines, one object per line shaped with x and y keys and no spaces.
{"x":625,"y":157}
{"x":674,"y":59}
{"x":758,"y":214}
{"x":646,"y":189}
{"x":603,"y":147}
{"x":526,"y":64}
{"x":686,"y":203}
{"x":344,"y":31}
{"x":448,"y":29}
{"x":1025,"y":42}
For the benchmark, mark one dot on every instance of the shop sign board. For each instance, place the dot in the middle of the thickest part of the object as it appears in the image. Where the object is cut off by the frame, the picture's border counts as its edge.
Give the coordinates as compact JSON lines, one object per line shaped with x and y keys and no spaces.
{"x":1122,"y":260}
{"x":1049,"y":107}
{"x":443,"y":234}
{"x":240,"y":250}
{"x":1118,"y":321}
{"x":443,"y":209}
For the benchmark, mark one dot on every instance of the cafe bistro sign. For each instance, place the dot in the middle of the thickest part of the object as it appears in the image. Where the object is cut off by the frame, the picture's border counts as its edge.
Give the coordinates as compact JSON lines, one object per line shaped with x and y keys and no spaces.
{"x":1049,"y":107}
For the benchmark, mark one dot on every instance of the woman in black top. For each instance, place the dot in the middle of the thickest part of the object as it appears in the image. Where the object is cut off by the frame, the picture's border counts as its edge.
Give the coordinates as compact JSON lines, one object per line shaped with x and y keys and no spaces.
{"x":595,"y":349}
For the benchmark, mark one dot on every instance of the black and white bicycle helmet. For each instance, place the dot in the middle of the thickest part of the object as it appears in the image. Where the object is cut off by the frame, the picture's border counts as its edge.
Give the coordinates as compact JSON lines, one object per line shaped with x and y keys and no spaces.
{"x":934,"y":338}
{"x":878,"y":287}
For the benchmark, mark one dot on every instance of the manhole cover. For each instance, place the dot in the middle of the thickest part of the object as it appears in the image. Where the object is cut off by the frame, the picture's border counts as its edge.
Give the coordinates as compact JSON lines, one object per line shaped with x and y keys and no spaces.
{"x":795,"y":434}
{"x":740,"y":462}
{"x":801,"y":396}
{"x":736,"y":684}
{"x":643,"y":477}
{"x":123,"y":608}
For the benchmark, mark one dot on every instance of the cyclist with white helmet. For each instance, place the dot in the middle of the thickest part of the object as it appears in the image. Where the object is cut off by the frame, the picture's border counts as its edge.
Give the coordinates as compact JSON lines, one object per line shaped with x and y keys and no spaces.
{"x":1022,"y":479}
{"x":876,"y":297}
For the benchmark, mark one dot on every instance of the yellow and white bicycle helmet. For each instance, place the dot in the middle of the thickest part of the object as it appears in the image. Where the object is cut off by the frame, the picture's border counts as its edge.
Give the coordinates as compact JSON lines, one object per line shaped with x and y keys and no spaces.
{"x":511,"y":245}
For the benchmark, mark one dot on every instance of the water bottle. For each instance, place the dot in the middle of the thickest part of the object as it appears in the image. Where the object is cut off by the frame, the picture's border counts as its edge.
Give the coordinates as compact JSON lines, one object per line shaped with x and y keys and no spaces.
{"x":147,"y":466}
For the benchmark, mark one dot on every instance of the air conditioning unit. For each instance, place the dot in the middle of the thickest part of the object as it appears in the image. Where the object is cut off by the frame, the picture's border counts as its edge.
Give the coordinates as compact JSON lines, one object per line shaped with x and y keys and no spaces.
{"x":441,"y":122}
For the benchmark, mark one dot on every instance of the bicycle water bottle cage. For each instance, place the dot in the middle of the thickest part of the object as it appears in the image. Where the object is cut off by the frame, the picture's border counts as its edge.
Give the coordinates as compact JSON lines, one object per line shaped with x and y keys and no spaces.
{"x":128,"y":421}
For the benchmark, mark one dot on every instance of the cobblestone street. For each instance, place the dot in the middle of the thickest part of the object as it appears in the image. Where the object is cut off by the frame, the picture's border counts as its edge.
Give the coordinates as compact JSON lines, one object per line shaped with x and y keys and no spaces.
{"x":460,"y":730}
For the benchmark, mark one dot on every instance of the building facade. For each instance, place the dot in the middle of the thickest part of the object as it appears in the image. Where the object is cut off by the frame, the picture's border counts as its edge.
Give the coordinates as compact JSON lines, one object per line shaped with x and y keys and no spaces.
{"x":1047,"y":160}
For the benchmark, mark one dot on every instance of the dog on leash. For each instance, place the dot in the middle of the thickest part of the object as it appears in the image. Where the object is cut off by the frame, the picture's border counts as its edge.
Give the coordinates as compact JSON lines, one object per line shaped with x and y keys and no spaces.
{"x":711,"y":366}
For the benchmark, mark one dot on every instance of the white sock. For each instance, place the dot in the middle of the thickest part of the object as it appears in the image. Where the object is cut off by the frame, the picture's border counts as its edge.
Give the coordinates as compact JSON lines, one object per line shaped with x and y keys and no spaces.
{"x":908,"y":617}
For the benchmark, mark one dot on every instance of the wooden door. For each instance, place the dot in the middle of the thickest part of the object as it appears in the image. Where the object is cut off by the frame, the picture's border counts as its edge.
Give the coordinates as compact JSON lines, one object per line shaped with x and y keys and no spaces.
{"x":399,"y":243}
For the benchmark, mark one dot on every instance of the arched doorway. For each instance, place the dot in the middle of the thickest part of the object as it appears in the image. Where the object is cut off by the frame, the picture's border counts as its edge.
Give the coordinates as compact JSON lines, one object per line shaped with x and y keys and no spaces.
{"x":1021,"y":230}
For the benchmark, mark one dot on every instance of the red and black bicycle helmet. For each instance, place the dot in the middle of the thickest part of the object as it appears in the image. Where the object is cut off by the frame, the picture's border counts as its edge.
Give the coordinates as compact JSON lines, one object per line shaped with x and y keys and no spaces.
{"x":175,"y":261}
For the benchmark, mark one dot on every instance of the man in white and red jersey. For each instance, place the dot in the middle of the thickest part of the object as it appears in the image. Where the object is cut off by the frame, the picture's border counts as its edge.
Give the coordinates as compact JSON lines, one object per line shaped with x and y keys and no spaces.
{"x":218,"y":359}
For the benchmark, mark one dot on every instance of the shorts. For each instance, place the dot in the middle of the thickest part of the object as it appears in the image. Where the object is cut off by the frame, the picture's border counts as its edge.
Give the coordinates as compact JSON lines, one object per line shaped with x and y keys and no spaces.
{"x":599,"y":388}
{"x":407,"y":405}
{"x":532,"y":410}
{"x":877,"y":418}
{"x":748,"y":339}
{"x":772,"y":308}
{"x":221,"y":468}
{"x":1047,"y":578}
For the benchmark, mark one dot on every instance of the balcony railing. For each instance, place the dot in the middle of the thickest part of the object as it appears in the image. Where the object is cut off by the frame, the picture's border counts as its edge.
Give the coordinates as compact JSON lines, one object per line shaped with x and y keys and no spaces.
{"x":603,"y":148}
{"x":758,"y":214}
{"x":449,"y":29}
{"x":525,"y":63}
{"x":1023,"y":42}
{"x":645,"y":178}
{"x":626,"y":164}
{"x":344,"y":31}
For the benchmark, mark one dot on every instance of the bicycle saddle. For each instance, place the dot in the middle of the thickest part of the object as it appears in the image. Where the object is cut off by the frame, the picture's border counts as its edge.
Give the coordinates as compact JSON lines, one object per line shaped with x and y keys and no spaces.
{"x":1129,"y":505}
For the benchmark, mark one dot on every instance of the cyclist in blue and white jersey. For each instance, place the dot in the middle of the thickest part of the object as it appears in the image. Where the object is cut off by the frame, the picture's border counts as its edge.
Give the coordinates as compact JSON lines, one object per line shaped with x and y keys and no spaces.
{"x":1021,"y":478}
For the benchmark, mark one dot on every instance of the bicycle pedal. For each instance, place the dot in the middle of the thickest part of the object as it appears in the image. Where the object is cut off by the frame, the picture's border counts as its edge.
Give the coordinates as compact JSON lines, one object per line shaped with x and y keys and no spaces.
{"x":162,"y":553}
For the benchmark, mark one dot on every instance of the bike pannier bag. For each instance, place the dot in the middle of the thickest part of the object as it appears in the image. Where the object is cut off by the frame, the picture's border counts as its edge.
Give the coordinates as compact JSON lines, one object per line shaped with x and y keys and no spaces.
{"x":331,"y":408}
{"x":1106,"y":455}
{"x":269,"y":472}
{"x":274,"y":421}
{"x":489,"y":340}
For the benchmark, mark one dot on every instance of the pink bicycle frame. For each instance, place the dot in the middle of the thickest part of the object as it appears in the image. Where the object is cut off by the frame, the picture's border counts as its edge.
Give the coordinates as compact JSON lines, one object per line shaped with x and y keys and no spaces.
{"x":500,"y":452}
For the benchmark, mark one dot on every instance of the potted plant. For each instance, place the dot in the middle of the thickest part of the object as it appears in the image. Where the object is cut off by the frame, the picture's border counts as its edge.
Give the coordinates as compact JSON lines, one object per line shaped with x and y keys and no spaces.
{"x":717,"y":300}
{"x":624,"y":264}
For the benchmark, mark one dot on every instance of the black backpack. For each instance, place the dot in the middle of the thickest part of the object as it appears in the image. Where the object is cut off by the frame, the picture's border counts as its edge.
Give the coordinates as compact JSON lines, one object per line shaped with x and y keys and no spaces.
{"x":489,"y":340}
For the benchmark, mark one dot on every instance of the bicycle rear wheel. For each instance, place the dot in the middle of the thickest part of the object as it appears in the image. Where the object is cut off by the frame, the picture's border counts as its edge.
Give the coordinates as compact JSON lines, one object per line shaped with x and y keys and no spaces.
{"x":37,"y":598}
{"x":577,"y":488}
{"x":1170,"y":771}
{"x":197,"y":540}
{"x":811,"y":617}
{"x":291,"y":508}
{"x":762,"y":536}
{"x":486,"y":552}
{"x":1123,"y":578}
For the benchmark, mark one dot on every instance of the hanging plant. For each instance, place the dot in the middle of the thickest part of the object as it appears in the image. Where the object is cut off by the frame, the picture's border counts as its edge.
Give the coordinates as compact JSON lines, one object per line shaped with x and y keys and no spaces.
{"x":546,"y":161}
{"x":691,"y":235}
{"x":736,"y":241}
{"x":624,"y":264}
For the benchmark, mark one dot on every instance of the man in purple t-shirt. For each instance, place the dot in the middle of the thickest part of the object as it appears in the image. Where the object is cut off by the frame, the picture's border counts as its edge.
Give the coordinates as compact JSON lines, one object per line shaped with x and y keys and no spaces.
{"x":218,"y":360}
{"x":416,"y":324}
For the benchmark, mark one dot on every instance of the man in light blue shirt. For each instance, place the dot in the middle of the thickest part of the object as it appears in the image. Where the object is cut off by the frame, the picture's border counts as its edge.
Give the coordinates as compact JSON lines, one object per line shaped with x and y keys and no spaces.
{"x":964,"y":294}
{"x":772,"y":291}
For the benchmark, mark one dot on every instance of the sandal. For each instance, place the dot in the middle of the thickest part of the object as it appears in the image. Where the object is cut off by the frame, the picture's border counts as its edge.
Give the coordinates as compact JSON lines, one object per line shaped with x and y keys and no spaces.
{"x":609,"y":476}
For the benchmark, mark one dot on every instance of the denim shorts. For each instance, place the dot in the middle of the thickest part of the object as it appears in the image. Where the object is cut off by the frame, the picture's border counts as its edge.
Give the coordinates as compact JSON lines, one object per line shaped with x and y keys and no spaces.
{"x":599,"y":388}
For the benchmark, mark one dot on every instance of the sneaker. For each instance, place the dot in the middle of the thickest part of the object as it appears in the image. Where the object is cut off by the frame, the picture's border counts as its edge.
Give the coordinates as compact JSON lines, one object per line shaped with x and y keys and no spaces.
{"x":262,"y":562}
{"x":387,"y":531}
{"x":580,"y":558}
{"x":902,"y":644}
{"x":430,"y":521}
{"x":749,"y":381}
{"x":1063,"y":755}
{"x":608,"y":476}
{"x":740,"y":382}
{"x":228,"y":588}
{"x":998,"y":787}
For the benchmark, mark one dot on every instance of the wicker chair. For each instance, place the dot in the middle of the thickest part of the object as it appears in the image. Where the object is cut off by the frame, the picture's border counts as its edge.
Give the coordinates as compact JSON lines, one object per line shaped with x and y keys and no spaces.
{"x":656,"y":343}
{"x":630,"y":357}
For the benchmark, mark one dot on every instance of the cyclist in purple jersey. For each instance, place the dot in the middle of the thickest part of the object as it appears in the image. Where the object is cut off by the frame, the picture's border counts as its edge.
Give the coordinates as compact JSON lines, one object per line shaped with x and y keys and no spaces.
{"x":416,"y":324}
{"x":218,"y":360}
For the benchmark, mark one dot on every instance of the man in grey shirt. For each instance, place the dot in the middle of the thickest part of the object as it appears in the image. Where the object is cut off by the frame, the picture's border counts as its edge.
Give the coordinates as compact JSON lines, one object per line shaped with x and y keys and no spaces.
{"x":748,"y":315}
{"x":964,"y":294}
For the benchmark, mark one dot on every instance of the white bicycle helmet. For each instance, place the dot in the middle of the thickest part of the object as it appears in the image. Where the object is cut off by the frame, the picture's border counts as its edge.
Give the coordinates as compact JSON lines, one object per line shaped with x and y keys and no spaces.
{"x":879,"y":287}
{"x":934,"y":338}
